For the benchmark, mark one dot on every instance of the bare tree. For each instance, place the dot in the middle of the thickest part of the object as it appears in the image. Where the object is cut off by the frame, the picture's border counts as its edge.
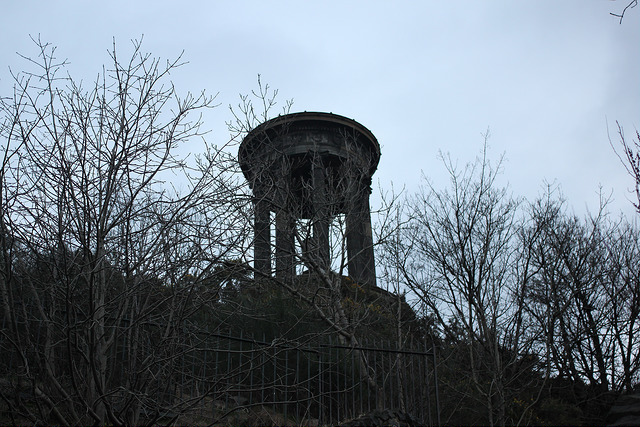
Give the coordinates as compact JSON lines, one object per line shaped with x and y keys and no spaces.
{"x":97,"y":247}
{"x":630,"y":158}
{"x":583,"y":296}
{"x":623,"y":306}
{"x":457,"y":255}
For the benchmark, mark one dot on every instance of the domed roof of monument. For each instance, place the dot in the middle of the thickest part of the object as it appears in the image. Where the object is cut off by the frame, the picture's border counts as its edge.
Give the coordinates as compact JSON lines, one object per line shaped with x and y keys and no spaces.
{"x":265,"y":134}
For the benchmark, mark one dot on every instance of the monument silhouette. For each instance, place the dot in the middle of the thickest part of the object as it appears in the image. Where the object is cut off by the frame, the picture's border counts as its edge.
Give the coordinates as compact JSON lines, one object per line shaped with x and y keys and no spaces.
{"x":305,"y":169}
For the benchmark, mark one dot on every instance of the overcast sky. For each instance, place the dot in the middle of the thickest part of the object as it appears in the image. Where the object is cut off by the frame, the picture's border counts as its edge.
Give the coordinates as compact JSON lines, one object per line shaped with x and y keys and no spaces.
{"x":423,"y":76}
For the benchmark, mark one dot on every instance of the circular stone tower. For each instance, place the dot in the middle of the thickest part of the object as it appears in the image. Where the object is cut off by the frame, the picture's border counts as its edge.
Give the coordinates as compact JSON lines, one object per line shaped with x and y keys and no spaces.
{"x":307,"y":168}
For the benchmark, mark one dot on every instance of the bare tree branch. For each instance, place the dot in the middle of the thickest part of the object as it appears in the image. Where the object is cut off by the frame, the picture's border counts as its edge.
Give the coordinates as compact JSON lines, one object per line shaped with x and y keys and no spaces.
{"x":632,"y":4}
{"x":630,"y":157}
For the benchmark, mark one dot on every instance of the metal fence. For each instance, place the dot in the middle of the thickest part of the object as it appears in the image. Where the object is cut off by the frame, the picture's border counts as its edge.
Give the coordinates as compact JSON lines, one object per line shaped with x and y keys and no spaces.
{"x":318,"y":381}
{"x":326,"y":382}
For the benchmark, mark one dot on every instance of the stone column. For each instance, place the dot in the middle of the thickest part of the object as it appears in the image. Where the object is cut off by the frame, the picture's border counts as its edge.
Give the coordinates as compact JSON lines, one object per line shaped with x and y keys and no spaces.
{"x":285,"y":219}
{"x":262,"y":236}
{"x":285,"y":245}
{"x":360,"y":238}
{"x":321,"y":216}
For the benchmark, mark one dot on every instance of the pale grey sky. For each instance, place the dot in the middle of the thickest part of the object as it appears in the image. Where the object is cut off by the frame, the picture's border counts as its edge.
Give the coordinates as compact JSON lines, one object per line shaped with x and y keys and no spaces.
{"x":423,"y":76}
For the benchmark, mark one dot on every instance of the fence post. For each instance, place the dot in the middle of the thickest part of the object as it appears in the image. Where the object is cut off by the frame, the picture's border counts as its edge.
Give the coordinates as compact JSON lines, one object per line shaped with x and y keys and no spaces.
{"x":435,"y":379}
{"x":251,"y":357}
{"x":285,"y":383}
{"x":228,"y":379}
{"x":296,"y":382}
{"x":353,"y":386}
{"x":330,"y":382}
{"x":275,"y":373}
{"x":319,"y":385}
{"x":215,"y":374}
{"x":262,"y":367}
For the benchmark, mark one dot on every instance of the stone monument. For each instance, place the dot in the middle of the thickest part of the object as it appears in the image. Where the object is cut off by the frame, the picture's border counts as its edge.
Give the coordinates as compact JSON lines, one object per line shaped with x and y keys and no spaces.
{"x":304,"y":170}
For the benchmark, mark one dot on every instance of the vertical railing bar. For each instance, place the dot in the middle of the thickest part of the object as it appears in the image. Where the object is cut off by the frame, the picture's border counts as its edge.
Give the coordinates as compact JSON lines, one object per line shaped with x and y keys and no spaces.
{"x":308,"y":411}
{"x":181,"y":347}
{"x":353,"y":386}
{"x":359,"y":380}
{"x":10,"y":366}
{"x":403,"y":379}
{"x":262,"y":368}
{"x":435,"y":379}
{"x":342,"y":402}
{"x":375,"y":379}
{"x":252,"y":356}
{"x":393,"y":362}
{"x":384,"y":381}
{"x":339,"y":387}
{"x":427,"y":374}
{"x":205,"y":350}
{"x":286,"y":385}
{"x":320,"y":397}
{"x":330,"y":391}
{"x":416,"y":375}
{"x":419,"y":398}
{"x":394,"y":392}
{"x":347,"y":388}
{"x":275,"y":374}
{"x":228,"y":381}
{"x":405,"y":382}
{"x":240,"y":386}
{"x":125,"y":362}
{"x":345,"y":414}
{"x":409,"y":383}
{"x":400,"y":383}
{"x":203,"y":377}
{"x":297,"y":384}
{"x":215,"y":371}
{"x":194,"y":358}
